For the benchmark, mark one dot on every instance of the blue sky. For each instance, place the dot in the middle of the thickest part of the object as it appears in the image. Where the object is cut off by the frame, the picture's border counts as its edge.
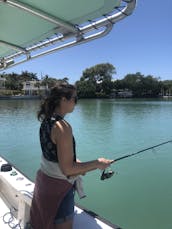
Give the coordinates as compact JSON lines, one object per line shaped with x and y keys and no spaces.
{"x":141,"y":42}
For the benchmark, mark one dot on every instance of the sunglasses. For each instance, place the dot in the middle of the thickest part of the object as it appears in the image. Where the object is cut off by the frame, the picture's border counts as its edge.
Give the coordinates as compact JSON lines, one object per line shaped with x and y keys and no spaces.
{"x":75,"y":99}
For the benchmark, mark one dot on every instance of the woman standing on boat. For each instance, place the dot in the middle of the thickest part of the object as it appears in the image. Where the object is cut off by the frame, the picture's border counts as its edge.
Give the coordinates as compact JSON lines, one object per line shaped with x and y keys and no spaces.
{"x":53,"y":199}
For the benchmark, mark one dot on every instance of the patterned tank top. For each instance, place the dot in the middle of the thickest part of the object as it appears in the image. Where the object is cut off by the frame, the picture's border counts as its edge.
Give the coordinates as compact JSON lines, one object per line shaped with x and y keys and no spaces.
{"x":49,"y":149}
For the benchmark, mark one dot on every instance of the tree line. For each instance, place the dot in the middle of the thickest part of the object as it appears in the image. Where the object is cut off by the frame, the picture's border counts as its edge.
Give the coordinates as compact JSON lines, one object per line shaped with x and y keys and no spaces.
{"x":98,"y":82}
{"x":15,"y":81}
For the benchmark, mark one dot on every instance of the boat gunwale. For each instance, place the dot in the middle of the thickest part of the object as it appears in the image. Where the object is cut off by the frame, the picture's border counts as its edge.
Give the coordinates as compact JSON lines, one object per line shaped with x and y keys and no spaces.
{"x":85,"y":210}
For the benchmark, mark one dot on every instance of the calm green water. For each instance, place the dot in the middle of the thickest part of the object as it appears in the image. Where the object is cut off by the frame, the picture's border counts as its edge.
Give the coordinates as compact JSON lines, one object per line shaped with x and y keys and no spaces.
{"x":140,"y":195}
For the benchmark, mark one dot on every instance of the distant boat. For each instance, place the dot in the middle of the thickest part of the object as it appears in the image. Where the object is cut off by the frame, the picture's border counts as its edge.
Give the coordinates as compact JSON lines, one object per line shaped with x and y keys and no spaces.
{"x":167,"y":96}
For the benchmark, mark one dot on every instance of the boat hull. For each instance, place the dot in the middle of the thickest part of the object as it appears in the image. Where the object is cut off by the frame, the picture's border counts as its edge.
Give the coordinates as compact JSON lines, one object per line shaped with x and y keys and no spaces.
{"x":16,"y":191}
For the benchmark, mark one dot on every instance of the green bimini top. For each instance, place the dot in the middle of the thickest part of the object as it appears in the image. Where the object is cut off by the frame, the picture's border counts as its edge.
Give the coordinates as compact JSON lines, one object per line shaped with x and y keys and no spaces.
{"x":32,"y":28}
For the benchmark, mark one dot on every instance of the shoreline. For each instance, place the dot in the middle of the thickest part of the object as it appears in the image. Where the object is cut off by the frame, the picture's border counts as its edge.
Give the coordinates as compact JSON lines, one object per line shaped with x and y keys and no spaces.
{"x":17,"y":97}
{"x":36,"y":97}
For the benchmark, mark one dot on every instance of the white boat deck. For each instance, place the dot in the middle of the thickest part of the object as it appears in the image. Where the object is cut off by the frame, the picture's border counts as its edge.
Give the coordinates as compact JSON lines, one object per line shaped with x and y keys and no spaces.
{"x":15,"y":199}
{"x":81,"y":219}
{"x":6,"y":217}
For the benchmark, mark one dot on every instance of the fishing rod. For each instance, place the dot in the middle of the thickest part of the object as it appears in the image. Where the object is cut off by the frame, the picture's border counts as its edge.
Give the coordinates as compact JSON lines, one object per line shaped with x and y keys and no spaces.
{"x":108,"y":174}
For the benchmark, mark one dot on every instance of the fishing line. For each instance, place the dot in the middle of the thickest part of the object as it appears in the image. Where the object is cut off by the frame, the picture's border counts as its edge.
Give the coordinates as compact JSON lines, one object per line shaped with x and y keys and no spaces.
{"x":108,"y":174}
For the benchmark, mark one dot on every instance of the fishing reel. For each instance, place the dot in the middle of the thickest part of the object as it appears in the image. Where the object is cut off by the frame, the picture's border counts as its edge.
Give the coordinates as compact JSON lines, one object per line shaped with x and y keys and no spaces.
{"x":109,"y":173}
{"x":106,"y":174}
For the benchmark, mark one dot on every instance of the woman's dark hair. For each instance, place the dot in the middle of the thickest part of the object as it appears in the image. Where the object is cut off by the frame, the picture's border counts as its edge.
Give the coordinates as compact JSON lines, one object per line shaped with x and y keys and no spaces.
{"x":53,"y":99}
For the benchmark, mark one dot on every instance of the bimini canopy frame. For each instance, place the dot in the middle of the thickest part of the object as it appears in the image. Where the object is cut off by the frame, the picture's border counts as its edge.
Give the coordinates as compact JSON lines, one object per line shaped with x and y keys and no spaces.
{"x":32,"y":28}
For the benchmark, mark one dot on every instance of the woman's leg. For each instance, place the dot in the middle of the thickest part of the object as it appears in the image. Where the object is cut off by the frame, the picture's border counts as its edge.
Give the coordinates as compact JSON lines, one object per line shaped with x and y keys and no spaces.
{"x":64,"y":216}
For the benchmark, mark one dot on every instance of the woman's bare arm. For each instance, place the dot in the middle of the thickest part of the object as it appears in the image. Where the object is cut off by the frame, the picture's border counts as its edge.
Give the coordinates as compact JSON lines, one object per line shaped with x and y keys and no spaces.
{"x":62,"y":137}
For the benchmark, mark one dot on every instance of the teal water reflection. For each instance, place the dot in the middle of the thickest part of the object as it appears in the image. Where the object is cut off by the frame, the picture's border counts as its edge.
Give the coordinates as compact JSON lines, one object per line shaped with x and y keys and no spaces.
{"x":140,"y":195}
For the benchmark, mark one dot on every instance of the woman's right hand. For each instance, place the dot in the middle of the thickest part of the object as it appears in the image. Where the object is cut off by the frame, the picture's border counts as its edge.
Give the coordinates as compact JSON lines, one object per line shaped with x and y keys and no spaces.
{"x":103,"y":163}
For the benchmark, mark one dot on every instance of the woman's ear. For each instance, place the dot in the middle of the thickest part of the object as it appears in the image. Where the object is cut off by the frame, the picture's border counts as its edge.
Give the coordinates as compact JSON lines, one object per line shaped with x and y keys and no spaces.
{"x":63,"y":99}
